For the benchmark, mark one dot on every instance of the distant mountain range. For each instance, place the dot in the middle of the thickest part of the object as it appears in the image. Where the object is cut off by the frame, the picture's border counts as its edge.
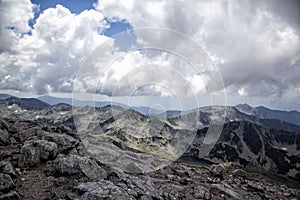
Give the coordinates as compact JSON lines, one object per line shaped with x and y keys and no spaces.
{"x":56,"y":100}
{"x":4,"y":96}
{"x":266,"y":113}
{"x":261,"y":112}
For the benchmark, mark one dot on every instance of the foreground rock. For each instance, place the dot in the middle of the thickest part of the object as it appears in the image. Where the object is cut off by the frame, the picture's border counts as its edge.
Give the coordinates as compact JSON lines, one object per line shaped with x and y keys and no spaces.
{"x":42,"y":162}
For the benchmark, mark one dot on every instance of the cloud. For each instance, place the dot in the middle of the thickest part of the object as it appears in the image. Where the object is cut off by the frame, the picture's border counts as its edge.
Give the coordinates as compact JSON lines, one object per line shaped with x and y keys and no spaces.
{"x":14,"y":15}
{"x":47,"y":58}
{"x":137,"y":73}
{"x":253,"y":43}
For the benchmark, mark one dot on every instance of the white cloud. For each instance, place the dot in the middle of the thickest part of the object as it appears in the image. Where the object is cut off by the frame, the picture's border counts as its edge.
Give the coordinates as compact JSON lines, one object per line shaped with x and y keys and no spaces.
{"x":14,"y":15}
{"x":255,"y":46}
{"x":252,"y":45}
{"x":138,"y":73}
{"x":47,"y":59}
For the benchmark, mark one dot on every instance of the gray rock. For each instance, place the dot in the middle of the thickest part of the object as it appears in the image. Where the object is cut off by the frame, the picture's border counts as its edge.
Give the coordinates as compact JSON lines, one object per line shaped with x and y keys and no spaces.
{"x":171,"y":191}
{"x":6,"y":183}
{"x":13,"y":195}
{"x":37,"y":151}
{"x":77,"y":165}
{"x":3,"y":124}
{"x":217,"y":170}
{"x":7,"y":168}
{"x":78,"y":170}
{"x":239,"y":172}
{"x":24,"y":135}
{"x":128,"y":161}
{"x":146,"y":197}
{"x":220,"y":188}
{"x":144,"y":185}
{"x":64,"y":142}
{"x":102,"y":190}
{"x":4,"y":137}
{"x":255,"y":187}
{"x":201,"y":192}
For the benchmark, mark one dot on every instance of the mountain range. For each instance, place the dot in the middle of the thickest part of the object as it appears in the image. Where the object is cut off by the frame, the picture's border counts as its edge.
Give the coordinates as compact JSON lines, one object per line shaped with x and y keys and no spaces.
{"x":251,"y":138}
{"x":267,"y":113}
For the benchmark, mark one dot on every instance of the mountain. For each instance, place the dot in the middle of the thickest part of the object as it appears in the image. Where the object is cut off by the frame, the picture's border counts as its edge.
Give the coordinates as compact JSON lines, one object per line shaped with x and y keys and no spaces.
{"x":255,"y":147}
{"x":267,"y":113}
{"x":208,"y":114}
{"x":177,"y":119}
{"x":55,"y":100}
{"x":245,"y":108}
{"x":247,"y":141}
{"x":289,"y":116}
{"x":24,"y":103}
{"x":4,"y":96}
{"x":38,"y":161}
{"x":147,"y":111}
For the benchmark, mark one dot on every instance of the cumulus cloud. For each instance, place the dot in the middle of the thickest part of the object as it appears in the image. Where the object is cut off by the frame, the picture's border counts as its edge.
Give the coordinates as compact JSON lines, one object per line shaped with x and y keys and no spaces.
{"x":47,"y":58}
{"x":136,"y":73}
{"x":255,"y":44}
{"x":14,"y":17}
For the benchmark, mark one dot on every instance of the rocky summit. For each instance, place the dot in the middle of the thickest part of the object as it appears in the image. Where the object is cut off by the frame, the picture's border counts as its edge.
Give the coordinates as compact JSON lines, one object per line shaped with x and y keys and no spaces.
{"x":38,"y":161}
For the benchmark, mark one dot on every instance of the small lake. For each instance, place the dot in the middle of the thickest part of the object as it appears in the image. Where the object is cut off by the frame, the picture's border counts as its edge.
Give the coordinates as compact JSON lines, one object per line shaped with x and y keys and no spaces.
{"x":194,"y":160}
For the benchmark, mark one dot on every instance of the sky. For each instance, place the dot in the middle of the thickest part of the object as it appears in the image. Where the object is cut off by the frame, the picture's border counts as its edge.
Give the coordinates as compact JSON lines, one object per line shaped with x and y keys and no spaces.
{"x":250,"y":50}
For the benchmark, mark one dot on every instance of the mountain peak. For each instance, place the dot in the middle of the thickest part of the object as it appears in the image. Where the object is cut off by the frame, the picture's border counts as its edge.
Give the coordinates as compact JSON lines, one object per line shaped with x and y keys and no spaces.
{"x":245,"y":108}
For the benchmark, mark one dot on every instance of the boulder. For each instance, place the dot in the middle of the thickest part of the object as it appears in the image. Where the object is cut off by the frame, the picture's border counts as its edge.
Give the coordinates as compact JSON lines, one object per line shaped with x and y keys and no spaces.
{"x":6,"y":183}
{"x":34,"y":152}
{"x":77,"y":165}
{"x":64,"y":142}
{"x":26,"y":134}
{"x":217,"y":170}
{"x":102,"y":190}
{"x":7,"y":168}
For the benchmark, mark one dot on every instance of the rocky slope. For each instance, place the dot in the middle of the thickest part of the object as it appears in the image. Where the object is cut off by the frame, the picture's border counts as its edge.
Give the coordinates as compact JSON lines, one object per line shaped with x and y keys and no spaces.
{"x":50,"y":162}
{"x":254,"y":147}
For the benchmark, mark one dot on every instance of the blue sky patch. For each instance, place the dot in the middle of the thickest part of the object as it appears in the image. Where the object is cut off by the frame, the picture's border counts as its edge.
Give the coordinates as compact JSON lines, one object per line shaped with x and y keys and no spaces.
{"x":75,"y":6}
{"x":117,"y":27}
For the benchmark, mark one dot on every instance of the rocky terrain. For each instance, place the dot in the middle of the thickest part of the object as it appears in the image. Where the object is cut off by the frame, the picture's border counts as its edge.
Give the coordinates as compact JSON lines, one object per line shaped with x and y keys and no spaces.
{"x":39,"y":161}
{"x":64,"y":151}
{"x":255,"y":147}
